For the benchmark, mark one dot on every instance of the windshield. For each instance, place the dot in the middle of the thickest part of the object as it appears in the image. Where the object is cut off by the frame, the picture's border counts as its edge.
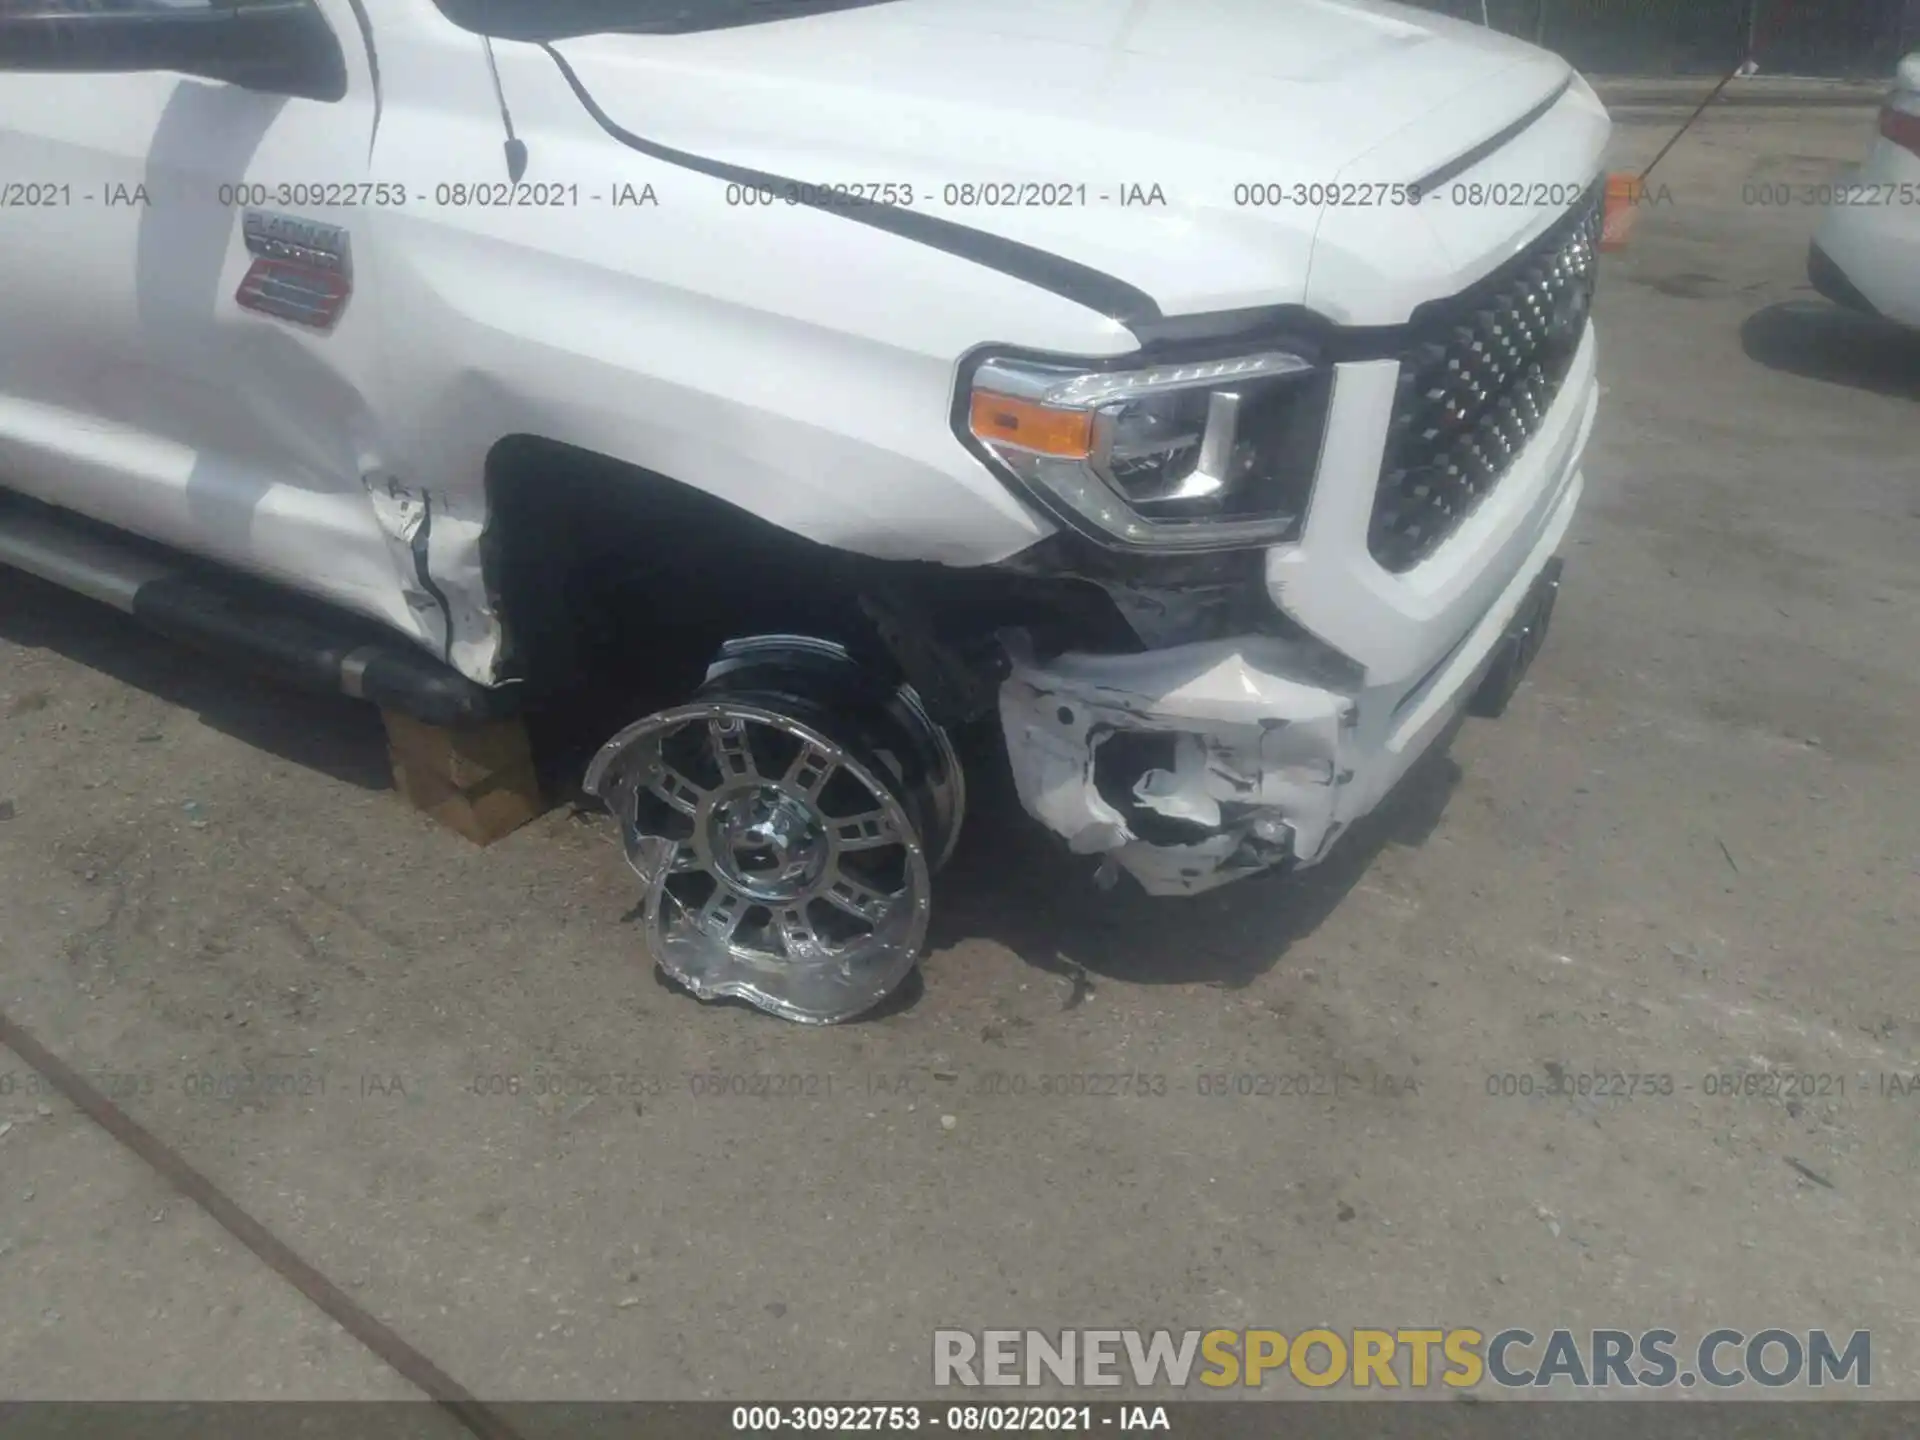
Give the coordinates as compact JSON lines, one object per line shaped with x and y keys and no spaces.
{"x":553,"y":19}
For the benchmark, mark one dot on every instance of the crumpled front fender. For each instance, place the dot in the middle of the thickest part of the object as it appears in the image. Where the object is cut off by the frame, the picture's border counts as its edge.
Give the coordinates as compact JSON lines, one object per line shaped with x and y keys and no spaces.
{"x":1189,"y":766}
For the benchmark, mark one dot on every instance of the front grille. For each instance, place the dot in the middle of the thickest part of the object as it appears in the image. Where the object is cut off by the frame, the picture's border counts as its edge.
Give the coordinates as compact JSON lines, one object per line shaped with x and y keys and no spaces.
{"x":1476,"y":381}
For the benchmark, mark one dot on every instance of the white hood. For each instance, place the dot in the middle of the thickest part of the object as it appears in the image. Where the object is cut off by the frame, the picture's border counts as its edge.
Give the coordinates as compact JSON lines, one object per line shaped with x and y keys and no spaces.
{"x":1196,"y":97}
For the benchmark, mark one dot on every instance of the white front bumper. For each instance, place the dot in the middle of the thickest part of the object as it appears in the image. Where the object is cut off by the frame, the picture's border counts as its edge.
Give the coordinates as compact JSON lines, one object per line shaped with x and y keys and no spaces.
{"x":1262,"y":761}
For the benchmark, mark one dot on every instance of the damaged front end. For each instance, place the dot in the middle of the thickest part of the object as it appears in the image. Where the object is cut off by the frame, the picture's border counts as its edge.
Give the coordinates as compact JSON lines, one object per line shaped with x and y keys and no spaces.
{"x":1193,"y":765}
{"x":787,"y":822}
{"x":1187,"y":767}
{"x":1214,"y":745}
{"x":1202,"y":752}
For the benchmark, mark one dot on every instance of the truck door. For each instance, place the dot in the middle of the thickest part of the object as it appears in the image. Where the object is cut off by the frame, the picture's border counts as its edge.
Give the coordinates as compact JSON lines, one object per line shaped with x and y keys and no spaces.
{"x":189,"y":337}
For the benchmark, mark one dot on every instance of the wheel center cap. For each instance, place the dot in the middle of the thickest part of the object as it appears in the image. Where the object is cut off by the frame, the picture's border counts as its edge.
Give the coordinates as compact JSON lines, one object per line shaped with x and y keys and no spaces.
{"x":768,"y":845}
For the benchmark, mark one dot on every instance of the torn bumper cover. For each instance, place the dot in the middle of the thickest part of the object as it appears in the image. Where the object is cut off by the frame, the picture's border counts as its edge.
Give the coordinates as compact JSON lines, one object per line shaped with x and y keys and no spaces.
{"x":1195,"y":765}
{"x":1189,"y":767}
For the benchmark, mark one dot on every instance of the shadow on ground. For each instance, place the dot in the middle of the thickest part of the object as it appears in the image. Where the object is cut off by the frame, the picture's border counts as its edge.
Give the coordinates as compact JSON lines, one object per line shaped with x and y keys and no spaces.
{"x":338,"y":737}
{"x":1818,"y":341}
{"x":1015,"y":883}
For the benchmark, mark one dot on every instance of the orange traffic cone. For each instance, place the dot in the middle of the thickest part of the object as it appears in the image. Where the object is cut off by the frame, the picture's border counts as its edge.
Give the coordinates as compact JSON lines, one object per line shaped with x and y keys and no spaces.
{"x":1624,"y":193}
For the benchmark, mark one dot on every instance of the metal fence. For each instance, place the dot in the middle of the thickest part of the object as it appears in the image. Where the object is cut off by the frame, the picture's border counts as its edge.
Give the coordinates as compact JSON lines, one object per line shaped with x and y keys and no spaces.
{"x":1842,"y":38}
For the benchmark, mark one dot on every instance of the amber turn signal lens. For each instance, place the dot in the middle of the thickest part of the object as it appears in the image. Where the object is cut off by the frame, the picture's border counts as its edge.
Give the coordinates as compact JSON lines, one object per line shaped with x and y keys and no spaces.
{"x":1624,"y":193}
{"x":1004,"y":420}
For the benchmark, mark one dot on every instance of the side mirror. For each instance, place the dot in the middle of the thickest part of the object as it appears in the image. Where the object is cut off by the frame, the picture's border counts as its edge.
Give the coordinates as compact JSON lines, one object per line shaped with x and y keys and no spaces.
{"x":284,"y":46}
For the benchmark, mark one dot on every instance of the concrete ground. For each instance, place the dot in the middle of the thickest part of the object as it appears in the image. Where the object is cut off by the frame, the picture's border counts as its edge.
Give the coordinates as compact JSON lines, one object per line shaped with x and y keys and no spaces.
{"x":1689,"y":850}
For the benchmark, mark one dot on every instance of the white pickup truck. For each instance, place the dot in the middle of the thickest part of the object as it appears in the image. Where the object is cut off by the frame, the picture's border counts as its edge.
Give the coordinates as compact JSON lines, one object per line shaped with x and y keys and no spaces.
{"x":1194,"y":389}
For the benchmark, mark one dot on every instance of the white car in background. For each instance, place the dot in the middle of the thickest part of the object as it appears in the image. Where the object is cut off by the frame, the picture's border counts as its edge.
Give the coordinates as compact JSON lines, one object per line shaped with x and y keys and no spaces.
{"x":1866,"y":251}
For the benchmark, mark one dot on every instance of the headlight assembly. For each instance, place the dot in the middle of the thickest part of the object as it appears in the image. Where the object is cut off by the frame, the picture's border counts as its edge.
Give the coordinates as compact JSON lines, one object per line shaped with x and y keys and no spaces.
{"x":1202,"y":455}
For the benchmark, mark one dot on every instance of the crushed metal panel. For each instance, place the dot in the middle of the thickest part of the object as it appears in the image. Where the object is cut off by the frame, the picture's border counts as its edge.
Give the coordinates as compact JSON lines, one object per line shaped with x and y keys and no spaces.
{"x":475,"y":636}
{"x":1256,"y":758}
{"x":405,"y":517}
{"x":1182,"y":793}
{"x":1053,"y":770}
{"x":434,"y":539}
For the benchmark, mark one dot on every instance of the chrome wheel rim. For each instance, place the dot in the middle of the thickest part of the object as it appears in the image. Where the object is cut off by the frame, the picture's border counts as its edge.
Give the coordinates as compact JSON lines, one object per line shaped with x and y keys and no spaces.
{"x":784,"y":866}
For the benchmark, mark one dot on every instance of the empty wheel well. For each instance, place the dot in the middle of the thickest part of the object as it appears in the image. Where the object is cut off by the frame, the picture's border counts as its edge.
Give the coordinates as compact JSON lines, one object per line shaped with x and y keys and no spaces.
{"x":593,"y":562}
{"x":618,"y":582}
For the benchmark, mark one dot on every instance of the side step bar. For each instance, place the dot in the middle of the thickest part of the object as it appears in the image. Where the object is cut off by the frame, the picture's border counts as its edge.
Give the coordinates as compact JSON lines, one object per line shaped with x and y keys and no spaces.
{"x":291,"y":638}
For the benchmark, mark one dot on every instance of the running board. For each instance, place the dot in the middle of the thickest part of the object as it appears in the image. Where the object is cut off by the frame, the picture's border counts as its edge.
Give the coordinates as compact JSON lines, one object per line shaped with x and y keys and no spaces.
{"x":296,"y":640}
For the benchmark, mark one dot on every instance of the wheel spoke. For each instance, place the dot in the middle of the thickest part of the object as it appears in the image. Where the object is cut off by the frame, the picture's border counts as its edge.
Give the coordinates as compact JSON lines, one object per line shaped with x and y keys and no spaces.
{"x":811,"y":769}
{"x":675,"y":789}
{"x":731,"y":750}
{"x":797,"y":935}
{"x":858,"y":899}
{"x":722,"y":913}
{"x":870,"y":831}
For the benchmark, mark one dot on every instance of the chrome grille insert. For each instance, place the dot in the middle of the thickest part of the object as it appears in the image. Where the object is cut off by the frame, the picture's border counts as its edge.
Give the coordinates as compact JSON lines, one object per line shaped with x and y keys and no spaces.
{"x":1475,"y":384}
